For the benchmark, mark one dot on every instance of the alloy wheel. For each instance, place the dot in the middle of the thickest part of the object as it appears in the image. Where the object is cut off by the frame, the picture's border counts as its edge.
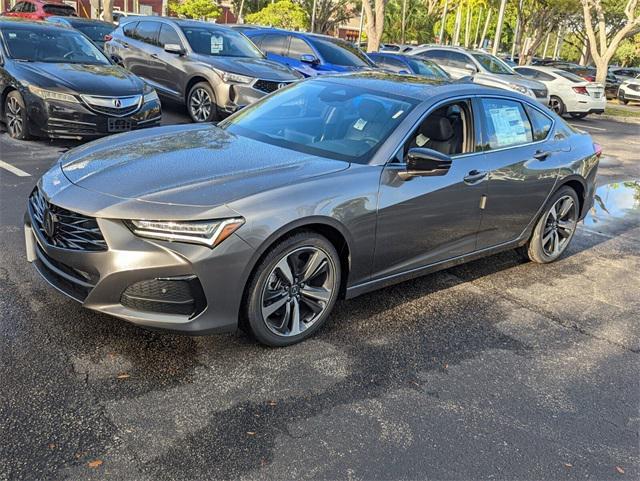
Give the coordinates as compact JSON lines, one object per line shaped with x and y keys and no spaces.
{"x":556,"y":105}
{"x":14,"y":117}
{"x":200,"y":105}
{"x":298,"y":291}
{"x":560,"y":225}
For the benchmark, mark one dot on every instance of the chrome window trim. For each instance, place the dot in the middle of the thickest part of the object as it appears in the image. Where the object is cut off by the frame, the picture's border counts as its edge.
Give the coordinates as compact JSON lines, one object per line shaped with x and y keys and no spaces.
{"x":106,"y":102}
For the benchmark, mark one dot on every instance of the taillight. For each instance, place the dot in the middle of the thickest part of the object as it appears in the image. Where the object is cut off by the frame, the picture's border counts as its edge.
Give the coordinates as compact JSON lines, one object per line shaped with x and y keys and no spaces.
{"x":580,"y":90}
{"x":108,"y":38}
{"x":598,"y":150}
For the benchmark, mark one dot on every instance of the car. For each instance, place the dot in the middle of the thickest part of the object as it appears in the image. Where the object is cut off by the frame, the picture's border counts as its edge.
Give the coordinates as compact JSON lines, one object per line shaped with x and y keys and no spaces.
{"x":629,"y":90}
{"x":120,"y":17}
{"x":568,"y":93}
{"x":55,"y":83}
{"x":211,"y":69}
{"x":40,"y":9}
{"x":309,"y":53}
{"x":97,"y":30}
{"x":329,"y":188}
{"x":625,"y":73}
{"x":483,"y":68}
{"x":589,"y":74}
{"x":407,"y":64}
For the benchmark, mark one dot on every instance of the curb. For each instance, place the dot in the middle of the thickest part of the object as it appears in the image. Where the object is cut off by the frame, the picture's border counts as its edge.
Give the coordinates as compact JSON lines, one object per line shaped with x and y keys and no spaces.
{"x":617,"y":118}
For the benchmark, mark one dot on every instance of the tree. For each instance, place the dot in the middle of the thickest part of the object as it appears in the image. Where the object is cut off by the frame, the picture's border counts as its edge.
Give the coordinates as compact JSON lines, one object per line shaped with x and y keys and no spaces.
{"x":107,"y":10}
{"x":603,"y":47}
{"x":421,"y":17}
{"x":628,"y":52}
{"x":330,"y":13}
{"x":374,"y":13}
{"x":195,"y":9}
{"x":283,"y":14}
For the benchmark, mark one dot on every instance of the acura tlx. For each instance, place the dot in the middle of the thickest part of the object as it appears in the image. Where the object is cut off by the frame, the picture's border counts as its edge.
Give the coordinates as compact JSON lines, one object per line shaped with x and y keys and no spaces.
{"x":328,"y":188}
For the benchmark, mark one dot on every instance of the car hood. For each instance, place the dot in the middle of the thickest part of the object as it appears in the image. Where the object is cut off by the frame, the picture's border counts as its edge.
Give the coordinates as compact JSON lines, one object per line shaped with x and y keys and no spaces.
{"x":252,"y":67}
{"x":80,"y":78}
{"x":193,"y":165}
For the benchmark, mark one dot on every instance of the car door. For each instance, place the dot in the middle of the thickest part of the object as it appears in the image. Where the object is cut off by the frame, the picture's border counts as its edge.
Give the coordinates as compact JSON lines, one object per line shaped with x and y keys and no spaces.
{"x":522,"y":161}
{"x":143,"y":49}
{"x":428,"y":219}
{"x":275,"y":46}
{"x":166,"y":70}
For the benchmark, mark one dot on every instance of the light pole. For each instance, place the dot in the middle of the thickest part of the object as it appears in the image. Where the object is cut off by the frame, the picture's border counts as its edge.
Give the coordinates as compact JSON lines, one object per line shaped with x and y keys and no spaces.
{"x":475,"y":39}
{"x":456,"y":33}
{"x":442,"y":23}
{"x":404,"y":20}
{"x":467,"y":26}
{"x":313,"y":17}
{"x":496,"y":41}
{"x":546,"y":46}
{"x":361,"y":23}
{"x":486,"y":27}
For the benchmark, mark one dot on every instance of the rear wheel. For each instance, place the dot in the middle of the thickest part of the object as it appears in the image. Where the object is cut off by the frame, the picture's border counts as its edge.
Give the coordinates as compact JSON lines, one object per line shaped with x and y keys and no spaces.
{"x":15,"y":115}
{"x":578,"y":115}
{"x":555,"y":228}
{"x":293,"y":290}
{"x":201,"y":103}
{"x":621,"y":97}
{"x":556,"y":104}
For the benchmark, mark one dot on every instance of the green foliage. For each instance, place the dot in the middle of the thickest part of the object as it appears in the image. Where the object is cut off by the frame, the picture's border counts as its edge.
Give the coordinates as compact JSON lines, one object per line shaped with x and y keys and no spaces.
{"x":419,"y":24}
{"x":628,"y":52}
{"x":283,"y":14}
{"x":195,"y":8}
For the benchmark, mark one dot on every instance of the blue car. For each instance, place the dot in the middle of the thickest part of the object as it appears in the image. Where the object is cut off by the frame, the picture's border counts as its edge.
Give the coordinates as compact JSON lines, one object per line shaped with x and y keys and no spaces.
{"x":308,"y":53}
{"x":406,"y":64}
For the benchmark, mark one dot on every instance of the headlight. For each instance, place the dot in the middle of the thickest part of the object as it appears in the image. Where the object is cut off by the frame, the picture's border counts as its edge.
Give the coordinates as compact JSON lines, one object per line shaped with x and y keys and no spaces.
{"x":522,"y":89}
{"x":234,"y":77}
{"x":51,"y":95}
{"x":209,"y":232}
{"x":150,"y":97}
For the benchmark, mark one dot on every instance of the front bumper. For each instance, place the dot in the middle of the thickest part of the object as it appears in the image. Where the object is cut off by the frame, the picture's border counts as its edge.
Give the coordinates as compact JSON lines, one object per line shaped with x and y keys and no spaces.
{"x":630,"y":94}
{"x":128,"y":279}
{"x":55,"y":119}
{"x":232,"y":97}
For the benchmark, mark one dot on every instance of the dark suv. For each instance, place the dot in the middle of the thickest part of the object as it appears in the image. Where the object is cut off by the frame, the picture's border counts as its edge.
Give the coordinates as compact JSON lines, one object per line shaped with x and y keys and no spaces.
{"x":213,"y":69}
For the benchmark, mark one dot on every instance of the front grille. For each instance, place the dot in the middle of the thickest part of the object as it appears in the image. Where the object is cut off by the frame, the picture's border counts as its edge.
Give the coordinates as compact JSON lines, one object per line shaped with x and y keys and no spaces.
{"x":107,"y":105}
{"x":183,"y":296}
{"x":269,"y":85}
{"x":74,"y":283}
{"x":540,"y":93}
{"x":111,"y":111}
{"x":63,"y":228}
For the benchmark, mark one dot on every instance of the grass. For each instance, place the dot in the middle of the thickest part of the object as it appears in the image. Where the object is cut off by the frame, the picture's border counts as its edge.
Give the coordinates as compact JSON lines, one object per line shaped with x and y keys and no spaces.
{"x":620,"y":112}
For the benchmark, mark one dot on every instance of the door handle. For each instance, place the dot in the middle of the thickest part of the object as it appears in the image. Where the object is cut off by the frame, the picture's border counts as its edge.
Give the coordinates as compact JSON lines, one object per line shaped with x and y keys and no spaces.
{"x":125,"y":44}
{"x":541,"y":154}
{"x":475,"y":176}
{"x":154,"y":55}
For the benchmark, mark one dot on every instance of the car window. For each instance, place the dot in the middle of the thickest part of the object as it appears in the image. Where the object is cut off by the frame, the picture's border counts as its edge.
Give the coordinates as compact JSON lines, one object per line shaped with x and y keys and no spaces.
{"x":390,"y":63}
{"x":60,"y":10}
{"x":438,"y":56}
{"x":94,"y":30}
{"x":492,"y":64}
{"x":129,"y":29}
{"x":28,"y":7}
{"x":324,"y":118}
{"x":220,"y":42}
{"x":298,"y":47}
{"x":545,"y":77}
{"x":527,"y":72}
{"x":17,"y":7}
{"x":445,"y":130}
{"x":427,"y":68}
{"x":458,"y":60}
{"x":569,"y":76}
{"x":168,"y":35}
{"x":506,"y":123}
{"x":540,"y":122}
{"x":147,"y":32}
{"x":339,"y":52}
{"x":274,"y":44}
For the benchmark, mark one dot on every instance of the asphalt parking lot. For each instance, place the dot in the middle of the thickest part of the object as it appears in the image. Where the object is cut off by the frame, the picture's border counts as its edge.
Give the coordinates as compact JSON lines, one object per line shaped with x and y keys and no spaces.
{"x":498,"y":369}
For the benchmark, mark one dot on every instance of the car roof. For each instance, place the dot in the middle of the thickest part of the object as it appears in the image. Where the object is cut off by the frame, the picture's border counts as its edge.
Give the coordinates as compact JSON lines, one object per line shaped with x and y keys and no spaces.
{"x":294,"y":33}
{"x":23,"y":22}
{"x":77,"y":20}
{"x":181,"y":22}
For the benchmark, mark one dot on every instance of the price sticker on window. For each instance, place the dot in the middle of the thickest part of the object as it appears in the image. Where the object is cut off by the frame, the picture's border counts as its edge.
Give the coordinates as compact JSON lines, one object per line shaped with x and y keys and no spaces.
{"x":216,"y":44}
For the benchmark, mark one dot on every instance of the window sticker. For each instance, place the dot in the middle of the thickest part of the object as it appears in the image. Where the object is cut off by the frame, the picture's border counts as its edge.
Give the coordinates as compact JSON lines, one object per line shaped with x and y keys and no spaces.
{"x":398,"y":114}
{"x":508,"y":126}
{"x":216,"y":44}
{"x":421,"y":140}
{"x":360,"y":123}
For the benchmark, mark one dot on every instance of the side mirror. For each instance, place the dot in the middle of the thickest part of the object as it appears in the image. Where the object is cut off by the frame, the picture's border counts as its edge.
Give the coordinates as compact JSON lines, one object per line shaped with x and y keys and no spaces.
{"x":117,"y":60}
{"x":404,"y":72}
{"x":423,"y":162}
{"x":308,"y":58}
{"x":174,"y":48}
{"x":471,"y":68}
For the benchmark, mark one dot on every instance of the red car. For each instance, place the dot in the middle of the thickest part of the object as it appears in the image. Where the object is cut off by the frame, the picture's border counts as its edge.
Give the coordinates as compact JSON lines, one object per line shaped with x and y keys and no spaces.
{"x":39,"y":10}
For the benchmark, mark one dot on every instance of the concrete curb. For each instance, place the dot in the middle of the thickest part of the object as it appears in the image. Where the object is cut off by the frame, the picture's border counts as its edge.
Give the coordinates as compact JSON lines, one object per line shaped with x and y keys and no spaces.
{"x":617,"y":118}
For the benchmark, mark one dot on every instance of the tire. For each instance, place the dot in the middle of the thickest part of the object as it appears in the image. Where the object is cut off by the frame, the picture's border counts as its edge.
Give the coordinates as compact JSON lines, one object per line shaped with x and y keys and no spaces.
{"x":621,"y":97}
{"x":557,"y":105}
{"x":578,"y":115}
{"x":201,"y":103}
{"x":15,"y":115}
{"x":273,"y":322}
{"x":541,"y":245}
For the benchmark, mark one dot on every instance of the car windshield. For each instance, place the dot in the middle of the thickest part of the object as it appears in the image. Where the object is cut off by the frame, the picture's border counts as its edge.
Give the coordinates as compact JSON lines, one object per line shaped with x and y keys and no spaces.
{"x":427,"y":68}
{"x":94,"y":30}
{"x":340,"y":53}
{"x":220,"y":42}
{"x":53,"y":45}
{"x":324,"y":118}
{"x":569,"y":76}
{"x":59,"y":9}
{"x":493,"y":64}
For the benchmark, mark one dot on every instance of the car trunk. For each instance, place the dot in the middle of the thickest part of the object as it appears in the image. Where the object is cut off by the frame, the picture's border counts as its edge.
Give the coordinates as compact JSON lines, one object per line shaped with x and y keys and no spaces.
{"x":595,"y":90}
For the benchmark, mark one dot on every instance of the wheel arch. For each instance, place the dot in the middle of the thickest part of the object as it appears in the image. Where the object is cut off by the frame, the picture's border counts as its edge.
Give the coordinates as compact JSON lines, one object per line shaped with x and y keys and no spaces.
{"x":578,"y":184}
{"x":196,"y":79}
{"x":3,"y":96}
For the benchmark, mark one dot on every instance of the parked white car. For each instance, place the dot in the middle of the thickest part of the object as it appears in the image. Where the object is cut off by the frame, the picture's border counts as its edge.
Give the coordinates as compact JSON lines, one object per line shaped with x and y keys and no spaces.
{"x":568,"y":93}
{"x":629,"y":90}
{"x":625,"y":73}
{"x":483,"y":68}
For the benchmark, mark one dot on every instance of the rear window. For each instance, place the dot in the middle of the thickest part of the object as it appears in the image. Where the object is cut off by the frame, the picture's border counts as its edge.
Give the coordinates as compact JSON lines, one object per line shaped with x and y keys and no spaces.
{"x":60,"y":10}
{"x":95,"y":31}
{"x":569,"y":76}
{"x":340,"y":53}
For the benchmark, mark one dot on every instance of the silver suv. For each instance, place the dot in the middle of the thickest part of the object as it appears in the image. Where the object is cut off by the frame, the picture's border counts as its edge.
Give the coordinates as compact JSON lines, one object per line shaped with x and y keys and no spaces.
{"x":483,"y":68}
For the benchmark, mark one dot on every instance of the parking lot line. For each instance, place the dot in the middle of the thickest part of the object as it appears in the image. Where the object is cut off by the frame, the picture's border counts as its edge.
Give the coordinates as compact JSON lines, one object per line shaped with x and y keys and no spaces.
{"x":587,"y":127}
{"x":14,"y":170}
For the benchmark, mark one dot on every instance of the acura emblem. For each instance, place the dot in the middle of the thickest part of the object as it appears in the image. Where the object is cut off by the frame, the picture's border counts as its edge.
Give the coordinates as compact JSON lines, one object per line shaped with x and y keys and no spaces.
{"x":282,"y":85}
{"x":49,"y":220}
{"x":117,"y":103}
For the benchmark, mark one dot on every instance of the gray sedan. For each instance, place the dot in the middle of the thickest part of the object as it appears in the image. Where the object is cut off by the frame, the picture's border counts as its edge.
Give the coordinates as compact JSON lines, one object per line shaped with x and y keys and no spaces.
{"x":329,"y":188}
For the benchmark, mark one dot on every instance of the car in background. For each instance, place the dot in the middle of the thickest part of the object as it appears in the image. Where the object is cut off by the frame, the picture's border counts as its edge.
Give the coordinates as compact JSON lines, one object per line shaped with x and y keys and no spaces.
{"x":333,"y":187}
{"x":120,"y":17}
{"x":483,"y":68}
{"x":568,"y":93}
{"x":309,"y":53}
{"x":629,"y":90}
{"x":211,"y":69}
{"x":96,"y":30}
{"x":55,"y":83}
{"x":624,"y":73}
{"x":399,"y":63}
{"x":589,"y":74}
{"x":40,"y":9}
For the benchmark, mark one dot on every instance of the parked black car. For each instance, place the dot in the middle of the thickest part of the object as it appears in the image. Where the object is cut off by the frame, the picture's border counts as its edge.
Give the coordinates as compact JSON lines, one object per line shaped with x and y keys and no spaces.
{"x":407,"y":64}
{"x":214,"y":70}
{"x":96,"y":30}
{"x":55,"y":83}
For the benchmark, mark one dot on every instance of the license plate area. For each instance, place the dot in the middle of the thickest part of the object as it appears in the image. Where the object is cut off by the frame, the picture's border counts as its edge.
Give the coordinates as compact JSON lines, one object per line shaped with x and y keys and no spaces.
{"x":118,"y":125}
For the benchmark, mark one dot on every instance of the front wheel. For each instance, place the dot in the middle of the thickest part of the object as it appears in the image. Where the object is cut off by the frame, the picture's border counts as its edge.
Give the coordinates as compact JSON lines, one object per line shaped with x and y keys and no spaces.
{"x":621,"y":97}
{"x":201,"y":103}
{"x":15,"y":115}
{"x":578,"y":115}
{"x":555,"y":228}
{"x":293,"y":290}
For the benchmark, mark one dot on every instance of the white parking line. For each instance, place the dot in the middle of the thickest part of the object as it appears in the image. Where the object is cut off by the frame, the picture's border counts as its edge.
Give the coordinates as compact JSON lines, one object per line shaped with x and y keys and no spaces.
{"x":581,"y":126}
{"x":14,"y":170}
